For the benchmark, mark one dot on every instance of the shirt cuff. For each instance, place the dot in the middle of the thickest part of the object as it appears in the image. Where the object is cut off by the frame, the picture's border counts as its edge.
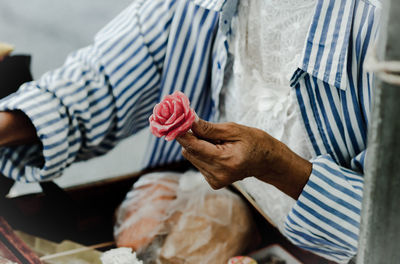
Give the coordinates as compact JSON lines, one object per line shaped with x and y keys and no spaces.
{"x":326,"y":216}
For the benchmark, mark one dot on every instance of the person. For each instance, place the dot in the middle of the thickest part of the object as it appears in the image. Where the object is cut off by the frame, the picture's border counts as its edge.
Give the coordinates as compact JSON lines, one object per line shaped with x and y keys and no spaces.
{"x":106,"y":92}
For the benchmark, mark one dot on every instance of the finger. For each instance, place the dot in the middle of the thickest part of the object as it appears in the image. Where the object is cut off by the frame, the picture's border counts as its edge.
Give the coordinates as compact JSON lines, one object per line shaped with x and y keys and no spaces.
{"x":204,"y":169}
{"x":215,"y":132}
{"x":198,"y":147}
{"x":212,"y":181}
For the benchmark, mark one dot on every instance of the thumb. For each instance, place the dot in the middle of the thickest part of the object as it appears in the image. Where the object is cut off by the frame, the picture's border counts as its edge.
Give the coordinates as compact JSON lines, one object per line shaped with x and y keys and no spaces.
{"x":211,"y":131}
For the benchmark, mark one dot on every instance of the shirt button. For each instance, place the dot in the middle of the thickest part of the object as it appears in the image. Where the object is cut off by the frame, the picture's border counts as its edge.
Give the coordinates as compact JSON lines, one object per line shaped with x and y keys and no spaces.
{"x":219,"y":65}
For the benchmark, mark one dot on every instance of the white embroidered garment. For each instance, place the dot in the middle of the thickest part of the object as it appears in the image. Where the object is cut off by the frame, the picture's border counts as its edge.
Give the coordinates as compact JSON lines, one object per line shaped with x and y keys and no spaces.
{"x":267,"y":42}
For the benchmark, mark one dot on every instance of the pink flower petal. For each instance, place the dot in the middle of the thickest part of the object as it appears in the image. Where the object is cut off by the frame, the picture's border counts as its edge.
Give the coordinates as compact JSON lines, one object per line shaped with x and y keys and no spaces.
{"x":165,"y":128}
{"x":156,"y":114}
{"x":164,"y":110}
{"x":182,"y":129}
{"x":172,"y":117}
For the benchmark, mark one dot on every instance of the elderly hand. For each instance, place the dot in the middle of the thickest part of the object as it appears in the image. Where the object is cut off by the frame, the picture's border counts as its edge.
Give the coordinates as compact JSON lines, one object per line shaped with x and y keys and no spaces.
{"x":228,"y":152}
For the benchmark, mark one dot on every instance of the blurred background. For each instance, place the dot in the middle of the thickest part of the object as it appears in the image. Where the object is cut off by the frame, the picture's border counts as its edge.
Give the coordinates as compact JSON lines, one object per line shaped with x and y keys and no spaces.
{"x":49,"y":30}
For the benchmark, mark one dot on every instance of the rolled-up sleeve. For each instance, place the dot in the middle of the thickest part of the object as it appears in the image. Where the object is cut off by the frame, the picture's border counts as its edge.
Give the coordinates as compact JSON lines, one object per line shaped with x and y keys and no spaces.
{"x":102,"y":94}
{"x":326,"y":217}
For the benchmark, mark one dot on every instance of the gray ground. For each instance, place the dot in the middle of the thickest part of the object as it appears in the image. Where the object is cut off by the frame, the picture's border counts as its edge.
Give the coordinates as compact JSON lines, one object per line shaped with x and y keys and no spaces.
{"x":49,"y":30}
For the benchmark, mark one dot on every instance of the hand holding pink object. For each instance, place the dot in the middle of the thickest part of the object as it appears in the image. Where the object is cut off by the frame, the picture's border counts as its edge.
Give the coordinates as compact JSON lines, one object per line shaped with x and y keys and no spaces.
{"x":172,"y":117}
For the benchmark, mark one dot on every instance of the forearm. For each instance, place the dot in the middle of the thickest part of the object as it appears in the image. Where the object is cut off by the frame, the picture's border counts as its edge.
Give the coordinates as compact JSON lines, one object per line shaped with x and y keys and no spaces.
{"x":288,"y":171}
{"x":83,"y":109}
{"x":16,"y":128}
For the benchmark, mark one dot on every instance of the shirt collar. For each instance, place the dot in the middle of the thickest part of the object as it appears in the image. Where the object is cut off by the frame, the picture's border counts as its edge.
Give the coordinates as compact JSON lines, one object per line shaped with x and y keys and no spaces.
{"x":227,"y":9}
{"x":327,"y":43}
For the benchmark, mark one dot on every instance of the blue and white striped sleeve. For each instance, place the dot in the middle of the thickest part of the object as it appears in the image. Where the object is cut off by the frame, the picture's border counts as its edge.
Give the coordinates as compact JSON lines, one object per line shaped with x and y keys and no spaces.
{"x":102,"y":93}
{"x":326,"y":217}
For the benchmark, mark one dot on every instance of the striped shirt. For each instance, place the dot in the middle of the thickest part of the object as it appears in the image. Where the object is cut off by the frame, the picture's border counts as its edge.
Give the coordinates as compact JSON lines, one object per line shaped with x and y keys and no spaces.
{"x":106,"y":91}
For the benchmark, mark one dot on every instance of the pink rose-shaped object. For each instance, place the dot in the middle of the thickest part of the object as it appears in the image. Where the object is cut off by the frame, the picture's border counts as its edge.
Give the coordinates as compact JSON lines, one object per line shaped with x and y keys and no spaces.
{"x":242,"y":260}
{"x":172,"y":117}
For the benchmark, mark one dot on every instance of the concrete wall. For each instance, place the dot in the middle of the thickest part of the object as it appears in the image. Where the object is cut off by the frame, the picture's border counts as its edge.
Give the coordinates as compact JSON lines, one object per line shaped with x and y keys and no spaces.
{"x":49,"y":30}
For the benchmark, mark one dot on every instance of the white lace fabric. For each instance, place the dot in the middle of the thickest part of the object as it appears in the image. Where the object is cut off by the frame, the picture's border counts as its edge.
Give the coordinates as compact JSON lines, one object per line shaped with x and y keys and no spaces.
{"x":267,"y":43}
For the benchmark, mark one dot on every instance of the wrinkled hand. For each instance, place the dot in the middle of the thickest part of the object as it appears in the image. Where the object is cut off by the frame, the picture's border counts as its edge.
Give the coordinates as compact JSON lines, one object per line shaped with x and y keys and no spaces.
{"x":228,"y":152}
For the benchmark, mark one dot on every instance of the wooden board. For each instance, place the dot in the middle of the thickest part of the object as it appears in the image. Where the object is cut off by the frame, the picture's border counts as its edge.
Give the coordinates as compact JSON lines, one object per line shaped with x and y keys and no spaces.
{"x":97,"y":203}
{"x":13,"y":248}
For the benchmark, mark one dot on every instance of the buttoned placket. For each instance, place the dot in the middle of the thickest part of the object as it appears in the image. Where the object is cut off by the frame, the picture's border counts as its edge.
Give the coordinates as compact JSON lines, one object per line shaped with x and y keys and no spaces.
{"x":223,"y":59}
